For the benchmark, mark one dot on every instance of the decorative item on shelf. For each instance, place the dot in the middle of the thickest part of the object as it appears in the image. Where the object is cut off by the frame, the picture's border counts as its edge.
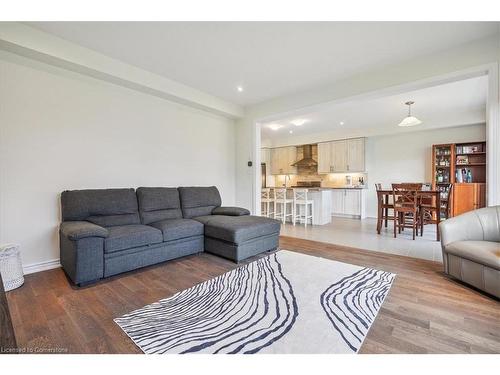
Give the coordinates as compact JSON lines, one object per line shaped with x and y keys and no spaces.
{"x":462,"y":160}
{"x":468,"y":149}
{"x":463,"y":175}
{"x":439,"y":177}
{"x":348,"y":180}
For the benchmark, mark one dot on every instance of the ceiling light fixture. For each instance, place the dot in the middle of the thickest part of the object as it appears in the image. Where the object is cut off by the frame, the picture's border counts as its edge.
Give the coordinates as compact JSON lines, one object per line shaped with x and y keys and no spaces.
{"x":275,"y":127}
{"x":342,"y":123}
{"x":291,"y":132}
{"x":239,"y":88}
{"x":409,"y":120}
{"x":299,"y":121}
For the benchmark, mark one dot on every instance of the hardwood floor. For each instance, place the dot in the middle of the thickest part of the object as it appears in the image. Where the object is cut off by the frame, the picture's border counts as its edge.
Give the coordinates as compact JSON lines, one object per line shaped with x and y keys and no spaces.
{"x":7,"y":337}
{"x":425,"y":312}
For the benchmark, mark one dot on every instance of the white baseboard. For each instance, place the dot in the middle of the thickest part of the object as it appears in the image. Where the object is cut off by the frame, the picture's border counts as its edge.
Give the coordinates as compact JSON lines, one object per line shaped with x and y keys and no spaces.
{"x":41,"y":266}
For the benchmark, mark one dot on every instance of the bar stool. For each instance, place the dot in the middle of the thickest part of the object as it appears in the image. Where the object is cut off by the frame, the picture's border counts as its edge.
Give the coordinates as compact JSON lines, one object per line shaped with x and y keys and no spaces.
{"x":281,"y":200}
{"x":266,"y":202}
{"x":300,"y":200}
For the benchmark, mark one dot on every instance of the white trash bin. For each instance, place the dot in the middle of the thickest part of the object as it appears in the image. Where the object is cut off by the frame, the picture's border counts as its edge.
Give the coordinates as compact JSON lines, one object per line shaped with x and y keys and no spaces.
{"x":11,"y":267}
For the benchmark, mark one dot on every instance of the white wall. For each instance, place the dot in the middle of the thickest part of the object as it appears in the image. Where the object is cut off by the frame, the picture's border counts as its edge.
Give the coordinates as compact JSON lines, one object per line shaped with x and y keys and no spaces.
{"x":407,"y":157}
{"x":60,"y":130}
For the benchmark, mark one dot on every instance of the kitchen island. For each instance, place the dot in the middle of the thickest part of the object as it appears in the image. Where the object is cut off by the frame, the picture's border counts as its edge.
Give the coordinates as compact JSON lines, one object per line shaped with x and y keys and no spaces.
{"x":342,"y":201}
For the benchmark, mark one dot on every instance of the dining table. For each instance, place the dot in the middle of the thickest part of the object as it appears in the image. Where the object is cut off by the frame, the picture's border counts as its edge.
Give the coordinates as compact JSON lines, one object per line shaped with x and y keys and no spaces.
{"x":427,"y":199}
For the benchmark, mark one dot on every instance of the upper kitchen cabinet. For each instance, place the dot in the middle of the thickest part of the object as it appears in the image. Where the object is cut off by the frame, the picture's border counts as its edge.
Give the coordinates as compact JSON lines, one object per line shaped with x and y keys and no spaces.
{"x":356,"y":155}
{"x":265,"y":156}
{"x":324,"y":157}
{"x":341,"y":156}
{"x":282,"y":159}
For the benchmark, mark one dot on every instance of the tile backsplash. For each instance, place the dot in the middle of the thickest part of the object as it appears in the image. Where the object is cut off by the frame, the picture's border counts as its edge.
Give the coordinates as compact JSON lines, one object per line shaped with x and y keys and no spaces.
{"x":327,"y":180}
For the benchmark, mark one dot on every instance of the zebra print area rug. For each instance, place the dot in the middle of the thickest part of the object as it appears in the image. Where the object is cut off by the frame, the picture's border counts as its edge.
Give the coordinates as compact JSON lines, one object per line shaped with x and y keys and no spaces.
{"x":284,"y":303}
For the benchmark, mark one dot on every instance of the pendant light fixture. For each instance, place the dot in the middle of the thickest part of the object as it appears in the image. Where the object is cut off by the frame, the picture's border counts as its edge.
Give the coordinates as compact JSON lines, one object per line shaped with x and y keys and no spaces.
{"x":410,"y":120}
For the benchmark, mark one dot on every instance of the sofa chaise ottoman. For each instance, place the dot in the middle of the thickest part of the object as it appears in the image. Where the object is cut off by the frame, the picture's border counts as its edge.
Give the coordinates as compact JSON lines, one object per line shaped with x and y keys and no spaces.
{"x":105,"y":232}
{"x":230,"y":232}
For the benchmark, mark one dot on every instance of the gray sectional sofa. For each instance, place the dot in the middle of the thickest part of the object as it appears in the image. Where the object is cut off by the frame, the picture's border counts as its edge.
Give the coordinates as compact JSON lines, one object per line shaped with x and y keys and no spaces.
{"x":109,"y":231}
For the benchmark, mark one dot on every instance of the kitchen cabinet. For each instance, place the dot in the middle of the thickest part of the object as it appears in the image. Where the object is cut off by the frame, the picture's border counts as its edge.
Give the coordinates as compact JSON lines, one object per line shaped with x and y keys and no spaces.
{"x":348,"y":203}
{"x":356,"y":155}
{"x":337,"y":202}
{"x":282,"y":159}
{"x":275,"y":161}
{"x":352,"y":202}
{"x":324,"y":157}
{"x":341,"y":156}
{"x":265,"y":157}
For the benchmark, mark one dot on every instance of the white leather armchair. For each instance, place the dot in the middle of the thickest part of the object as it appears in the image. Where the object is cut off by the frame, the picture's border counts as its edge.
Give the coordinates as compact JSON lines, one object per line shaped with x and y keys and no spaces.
{"x":471,"y":248}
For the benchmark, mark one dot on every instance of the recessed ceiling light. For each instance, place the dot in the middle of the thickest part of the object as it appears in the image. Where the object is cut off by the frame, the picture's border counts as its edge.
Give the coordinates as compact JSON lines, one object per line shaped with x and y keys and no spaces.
{"x":299,"y":121}
{"x":275,"y":127}
{"x":239,"y":88}
{"x":291,"y":132}
{"x":342,"y":122}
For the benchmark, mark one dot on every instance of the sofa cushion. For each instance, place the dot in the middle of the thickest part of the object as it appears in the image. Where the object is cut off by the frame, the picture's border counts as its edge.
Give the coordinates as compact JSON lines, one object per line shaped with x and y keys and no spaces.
{"x":104,"y":207}
{"x":127,"y":236}
{"x":198,"y":201}
{"x":158,"y":203}
{"x":175,"y":229}
{"x":238,"y":229}
{"x":483,"y":252}
{"x":230,"y":211}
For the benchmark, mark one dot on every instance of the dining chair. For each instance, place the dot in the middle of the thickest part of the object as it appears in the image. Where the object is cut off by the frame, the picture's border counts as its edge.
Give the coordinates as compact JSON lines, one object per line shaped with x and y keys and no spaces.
{"x":447,"y":201}
{"x":405,"y":207}
{"x":300,"y":200}
{"x":383,"y":207}
{"x":282,"y":201}
{"x":412,"y":185}
{"x":267,"y":201}
{"x":430,"y":209}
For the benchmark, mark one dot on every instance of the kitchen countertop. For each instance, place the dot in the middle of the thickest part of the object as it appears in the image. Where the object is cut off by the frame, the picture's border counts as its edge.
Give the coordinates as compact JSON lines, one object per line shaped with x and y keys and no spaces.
{"x":325,"y":188}
{"x":343,"y":187}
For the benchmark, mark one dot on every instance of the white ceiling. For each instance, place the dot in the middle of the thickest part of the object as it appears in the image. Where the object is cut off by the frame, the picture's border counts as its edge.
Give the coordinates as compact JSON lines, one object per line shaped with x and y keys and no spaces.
{"x":268,"y":59}
{"x":453,"y":104}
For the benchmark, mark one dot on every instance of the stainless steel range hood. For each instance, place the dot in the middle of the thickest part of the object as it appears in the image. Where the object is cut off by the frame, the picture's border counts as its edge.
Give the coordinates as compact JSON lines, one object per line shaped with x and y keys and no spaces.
{"x":307,"y":160}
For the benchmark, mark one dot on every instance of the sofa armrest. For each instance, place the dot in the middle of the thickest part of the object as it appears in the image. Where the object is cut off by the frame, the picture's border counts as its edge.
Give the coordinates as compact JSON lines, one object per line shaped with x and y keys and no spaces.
{"x":76,"y":230}
{"x":230,"y":211}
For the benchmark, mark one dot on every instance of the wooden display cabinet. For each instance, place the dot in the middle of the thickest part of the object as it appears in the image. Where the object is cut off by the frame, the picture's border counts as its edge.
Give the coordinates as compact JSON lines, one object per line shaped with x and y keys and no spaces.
{"x":469,"y":190}
{"x":463,"y":165}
